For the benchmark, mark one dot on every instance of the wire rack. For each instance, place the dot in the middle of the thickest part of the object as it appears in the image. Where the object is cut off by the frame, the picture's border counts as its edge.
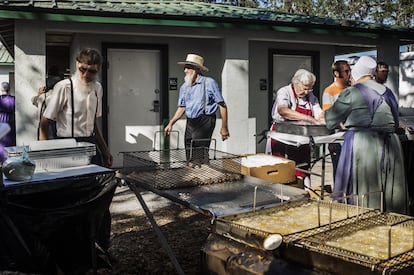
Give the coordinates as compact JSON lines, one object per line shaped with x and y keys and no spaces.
{"x":177,"y":168}
{"x":321,"y":215}
{"x":384,"y":242}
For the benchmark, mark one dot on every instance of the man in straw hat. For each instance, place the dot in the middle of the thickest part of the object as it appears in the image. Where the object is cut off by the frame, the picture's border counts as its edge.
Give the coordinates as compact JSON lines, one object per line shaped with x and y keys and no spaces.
{"x":199,"y":99}
{"x":371,"y":160}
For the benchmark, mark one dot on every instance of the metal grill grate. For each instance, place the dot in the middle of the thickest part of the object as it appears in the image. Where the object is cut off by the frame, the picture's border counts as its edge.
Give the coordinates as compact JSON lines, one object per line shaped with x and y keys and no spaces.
{"x":170,"y":169}
{"x":240,"y":226}
{"x":387,"y":258}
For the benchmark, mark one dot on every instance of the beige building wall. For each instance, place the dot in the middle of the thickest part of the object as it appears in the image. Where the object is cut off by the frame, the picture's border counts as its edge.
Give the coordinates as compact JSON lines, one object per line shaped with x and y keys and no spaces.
{"x":237,"y":59}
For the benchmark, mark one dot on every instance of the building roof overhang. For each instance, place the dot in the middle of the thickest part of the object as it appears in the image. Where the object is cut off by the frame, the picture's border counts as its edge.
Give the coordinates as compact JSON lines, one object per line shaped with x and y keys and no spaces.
{"x":182,"y":14}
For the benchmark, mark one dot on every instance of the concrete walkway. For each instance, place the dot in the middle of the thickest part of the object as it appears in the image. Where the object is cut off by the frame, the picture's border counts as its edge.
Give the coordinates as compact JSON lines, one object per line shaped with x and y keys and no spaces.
{"x":125,"y":201}
{"x":316,"y":181}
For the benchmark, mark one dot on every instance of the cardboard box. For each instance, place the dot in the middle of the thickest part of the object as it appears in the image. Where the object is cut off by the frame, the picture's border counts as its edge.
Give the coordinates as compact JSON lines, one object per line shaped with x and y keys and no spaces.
{"x":269,"y":168}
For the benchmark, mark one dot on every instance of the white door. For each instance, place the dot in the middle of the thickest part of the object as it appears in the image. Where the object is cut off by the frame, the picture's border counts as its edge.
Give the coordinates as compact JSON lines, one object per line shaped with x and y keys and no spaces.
{"x":285,"y":66}
{"x":133,"y":92}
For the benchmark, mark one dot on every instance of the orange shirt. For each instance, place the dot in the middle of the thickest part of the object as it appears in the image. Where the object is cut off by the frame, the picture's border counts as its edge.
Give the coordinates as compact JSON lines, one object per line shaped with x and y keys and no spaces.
{"x":330,"y":94}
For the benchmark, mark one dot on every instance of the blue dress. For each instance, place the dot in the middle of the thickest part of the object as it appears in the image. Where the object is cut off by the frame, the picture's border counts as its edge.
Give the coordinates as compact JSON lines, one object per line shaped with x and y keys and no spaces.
{"x":371,"y":160}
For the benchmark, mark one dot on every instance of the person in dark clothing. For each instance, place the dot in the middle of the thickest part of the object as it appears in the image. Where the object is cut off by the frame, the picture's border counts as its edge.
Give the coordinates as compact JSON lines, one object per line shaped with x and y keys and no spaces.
{"x":43,"y":96}
{"x":341,"y":72}
{"x":7,"y":115}
{"x":381,"y":72}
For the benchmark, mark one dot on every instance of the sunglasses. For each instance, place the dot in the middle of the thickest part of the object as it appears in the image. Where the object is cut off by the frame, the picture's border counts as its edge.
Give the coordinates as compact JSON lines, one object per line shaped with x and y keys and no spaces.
{"x":84,"y":70}
{"x":189,"y":67}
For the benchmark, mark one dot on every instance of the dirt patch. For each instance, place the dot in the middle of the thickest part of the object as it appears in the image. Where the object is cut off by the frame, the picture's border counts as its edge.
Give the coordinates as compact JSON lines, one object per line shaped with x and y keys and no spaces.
{"x":136,"y":249}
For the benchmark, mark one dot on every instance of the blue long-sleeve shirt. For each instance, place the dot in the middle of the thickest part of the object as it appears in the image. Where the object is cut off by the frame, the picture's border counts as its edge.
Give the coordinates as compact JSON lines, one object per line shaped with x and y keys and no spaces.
{"x":192,"y":98}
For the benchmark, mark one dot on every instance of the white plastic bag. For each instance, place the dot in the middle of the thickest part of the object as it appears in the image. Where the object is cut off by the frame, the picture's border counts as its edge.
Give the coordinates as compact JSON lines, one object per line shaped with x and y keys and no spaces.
{"x":19,"y":168}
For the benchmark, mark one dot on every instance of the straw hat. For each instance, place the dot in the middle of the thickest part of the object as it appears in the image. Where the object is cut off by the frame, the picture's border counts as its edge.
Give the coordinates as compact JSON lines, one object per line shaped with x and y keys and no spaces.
{"x":194,"y":60}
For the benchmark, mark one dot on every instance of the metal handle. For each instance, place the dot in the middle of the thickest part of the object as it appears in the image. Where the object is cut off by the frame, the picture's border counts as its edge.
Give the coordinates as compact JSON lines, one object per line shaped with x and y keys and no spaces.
{"x":262,"y":135}
{"x":160,"y":134}
{"x":254,"y":198}
{"x":344,"y":198}
{"x":371,"y":193}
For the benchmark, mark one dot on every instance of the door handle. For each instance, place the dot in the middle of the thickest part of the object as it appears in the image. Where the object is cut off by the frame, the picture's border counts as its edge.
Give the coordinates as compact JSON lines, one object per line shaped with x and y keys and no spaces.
{"x":155,"y":106}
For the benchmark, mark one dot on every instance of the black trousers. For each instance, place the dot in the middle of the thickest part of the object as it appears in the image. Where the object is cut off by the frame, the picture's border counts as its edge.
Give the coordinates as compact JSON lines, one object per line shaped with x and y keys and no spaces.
{"x":198,"y":133}
{"x":334,"y":151}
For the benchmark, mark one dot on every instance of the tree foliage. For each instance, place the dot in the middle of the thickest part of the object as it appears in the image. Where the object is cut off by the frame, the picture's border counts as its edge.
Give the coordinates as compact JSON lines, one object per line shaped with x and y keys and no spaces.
{"x":387,"y":12}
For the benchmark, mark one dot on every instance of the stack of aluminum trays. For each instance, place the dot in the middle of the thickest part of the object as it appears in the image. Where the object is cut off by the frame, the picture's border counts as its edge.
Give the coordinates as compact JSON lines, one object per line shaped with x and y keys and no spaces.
{"x":55,"y":154}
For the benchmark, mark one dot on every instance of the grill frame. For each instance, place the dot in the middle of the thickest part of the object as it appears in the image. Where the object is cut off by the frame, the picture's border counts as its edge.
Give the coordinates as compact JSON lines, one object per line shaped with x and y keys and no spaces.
{"x":294,"y":247}
{"x":255,"y":237}
{"x":302,"y":128}
{"x":235,"y":194}
{"x":170,"y":169}
{"x":316,"y":244}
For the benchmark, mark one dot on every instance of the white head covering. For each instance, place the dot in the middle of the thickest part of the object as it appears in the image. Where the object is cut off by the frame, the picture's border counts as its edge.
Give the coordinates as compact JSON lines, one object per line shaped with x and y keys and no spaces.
{"x":194,"y":60}
{"x":364,"y":66}
{"x":5,"y":86}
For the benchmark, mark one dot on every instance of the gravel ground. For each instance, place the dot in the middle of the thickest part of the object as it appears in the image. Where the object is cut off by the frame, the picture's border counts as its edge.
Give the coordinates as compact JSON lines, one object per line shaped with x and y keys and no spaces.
{"x":135,"y":246}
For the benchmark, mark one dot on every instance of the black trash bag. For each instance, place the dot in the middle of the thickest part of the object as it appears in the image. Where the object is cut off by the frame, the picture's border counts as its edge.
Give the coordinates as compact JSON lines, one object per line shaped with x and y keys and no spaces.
{"x":60,"y":226}
{"x":14,"y":252}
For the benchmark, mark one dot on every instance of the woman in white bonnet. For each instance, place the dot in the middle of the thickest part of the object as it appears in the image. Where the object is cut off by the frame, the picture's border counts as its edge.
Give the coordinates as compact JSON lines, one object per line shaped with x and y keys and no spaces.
{"x":371,"y":160}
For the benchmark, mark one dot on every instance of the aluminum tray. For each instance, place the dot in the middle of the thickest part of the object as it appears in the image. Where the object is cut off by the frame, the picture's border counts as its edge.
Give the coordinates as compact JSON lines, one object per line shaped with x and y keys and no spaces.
{"x":302,"y":129}
{"x":79,"y":154}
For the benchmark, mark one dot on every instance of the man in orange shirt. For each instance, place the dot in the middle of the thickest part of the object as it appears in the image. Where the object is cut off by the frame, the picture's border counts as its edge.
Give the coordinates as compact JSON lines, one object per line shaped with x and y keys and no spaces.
{"x":342,"y":74}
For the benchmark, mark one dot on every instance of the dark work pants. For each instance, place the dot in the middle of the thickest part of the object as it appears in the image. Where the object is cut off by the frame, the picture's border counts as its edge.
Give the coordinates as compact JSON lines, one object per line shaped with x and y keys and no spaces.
{"x":198,"y":132}
{"x":334,"y":151}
